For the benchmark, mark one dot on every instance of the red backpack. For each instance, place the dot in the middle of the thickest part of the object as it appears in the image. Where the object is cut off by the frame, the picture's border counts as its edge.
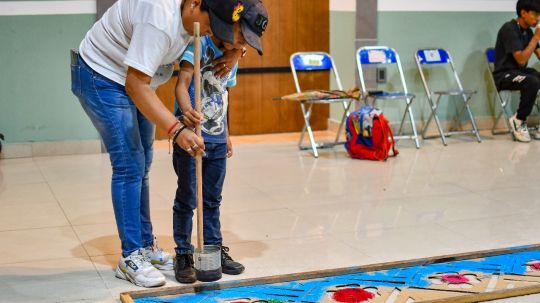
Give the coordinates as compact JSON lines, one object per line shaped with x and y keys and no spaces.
{"x":369,"y":135}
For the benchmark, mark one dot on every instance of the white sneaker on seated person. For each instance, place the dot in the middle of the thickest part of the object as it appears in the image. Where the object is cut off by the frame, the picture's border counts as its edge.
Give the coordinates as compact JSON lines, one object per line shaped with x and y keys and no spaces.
{"x":519,"y":129}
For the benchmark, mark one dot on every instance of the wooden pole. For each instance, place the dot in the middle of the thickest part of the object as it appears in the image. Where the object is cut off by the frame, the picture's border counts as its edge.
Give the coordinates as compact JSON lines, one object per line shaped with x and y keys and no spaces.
{"x":198,"y":159}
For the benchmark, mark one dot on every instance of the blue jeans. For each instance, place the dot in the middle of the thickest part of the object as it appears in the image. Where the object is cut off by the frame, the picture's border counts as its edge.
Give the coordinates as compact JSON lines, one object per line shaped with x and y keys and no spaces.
{"x":128,"y":137}
{"x":214,"y":167}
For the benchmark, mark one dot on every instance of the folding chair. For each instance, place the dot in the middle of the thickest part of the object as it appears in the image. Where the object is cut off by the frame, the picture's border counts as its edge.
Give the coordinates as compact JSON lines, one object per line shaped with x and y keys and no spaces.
{"x":503,"y":96}
{"x":503,"y":101}
{"x":439,"y":56}
{"x":316,"y":61}
{"x":382,"y":55}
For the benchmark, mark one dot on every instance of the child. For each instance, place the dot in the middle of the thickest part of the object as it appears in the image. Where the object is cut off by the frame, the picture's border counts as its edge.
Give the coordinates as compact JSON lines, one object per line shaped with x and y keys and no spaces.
{"x":214,"y":101}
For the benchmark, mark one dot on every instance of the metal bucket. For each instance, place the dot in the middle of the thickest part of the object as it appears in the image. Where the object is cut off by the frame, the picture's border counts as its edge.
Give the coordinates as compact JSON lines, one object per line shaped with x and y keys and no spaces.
{"x":208,"y":263}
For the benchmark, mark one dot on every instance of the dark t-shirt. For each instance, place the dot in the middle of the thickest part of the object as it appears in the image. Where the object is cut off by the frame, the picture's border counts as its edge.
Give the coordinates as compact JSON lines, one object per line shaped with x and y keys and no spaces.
{"x":511,"y":38}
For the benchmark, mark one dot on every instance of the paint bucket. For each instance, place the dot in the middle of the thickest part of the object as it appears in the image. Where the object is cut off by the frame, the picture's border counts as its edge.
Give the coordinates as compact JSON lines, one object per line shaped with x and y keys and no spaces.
{"x":208,"y":263}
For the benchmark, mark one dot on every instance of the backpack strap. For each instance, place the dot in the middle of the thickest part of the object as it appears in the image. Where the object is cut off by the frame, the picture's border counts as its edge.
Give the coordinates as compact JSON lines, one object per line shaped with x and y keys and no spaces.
{"x":395,"y":152}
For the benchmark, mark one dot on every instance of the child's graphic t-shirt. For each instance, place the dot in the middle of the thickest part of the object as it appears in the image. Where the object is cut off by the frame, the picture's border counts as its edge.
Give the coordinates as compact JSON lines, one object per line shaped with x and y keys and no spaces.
{"x":214,"y":95}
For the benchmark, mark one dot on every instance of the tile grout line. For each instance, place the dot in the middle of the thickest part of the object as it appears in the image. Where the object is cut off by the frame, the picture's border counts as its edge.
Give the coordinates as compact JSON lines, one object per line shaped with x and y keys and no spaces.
{"x":72,"y":227}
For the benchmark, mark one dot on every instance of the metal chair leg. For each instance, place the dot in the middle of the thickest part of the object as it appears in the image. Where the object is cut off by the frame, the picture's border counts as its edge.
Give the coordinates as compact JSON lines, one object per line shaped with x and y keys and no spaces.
{"x":473,"y":121}
{"x":400,"y":129}
{"x":437,"y":121}
{"x":416,"y":141}
{"x":466,"y":99}
{"x":309,"y":131}
{"x":346,"y":107}
{"x":503,"y":102}
{"x":304,"y":113}
{"x":497,"y":120}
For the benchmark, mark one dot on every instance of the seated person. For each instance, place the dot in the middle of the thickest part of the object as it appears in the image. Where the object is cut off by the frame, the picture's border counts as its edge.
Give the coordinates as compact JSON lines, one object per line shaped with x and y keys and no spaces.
{"x":516,"y":43}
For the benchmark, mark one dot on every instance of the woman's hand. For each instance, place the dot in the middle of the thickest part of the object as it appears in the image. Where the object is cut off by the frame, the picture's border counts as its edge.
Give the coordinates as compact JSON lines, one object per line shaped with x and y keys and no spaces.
{"x":190,"y":142}
{"x":224,"y":64}
{"x":192,"y":118}
{"x":229,"y":147}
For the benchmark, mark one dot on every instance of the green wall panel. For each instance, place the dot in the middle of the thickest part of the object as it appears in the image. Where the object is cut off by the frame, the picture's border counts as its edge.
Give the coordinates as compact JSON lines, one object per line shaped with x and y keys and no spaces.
{"x":464,"y":34}
{"x":342,"y":48}
{"x":36,"y":103}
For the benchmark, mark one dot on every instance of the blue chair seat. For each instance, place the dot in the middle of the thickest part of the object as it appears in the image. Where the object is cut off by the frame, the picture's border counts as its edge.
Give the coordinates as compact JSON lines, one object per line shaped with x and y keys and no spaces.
{"x":391,"y":95}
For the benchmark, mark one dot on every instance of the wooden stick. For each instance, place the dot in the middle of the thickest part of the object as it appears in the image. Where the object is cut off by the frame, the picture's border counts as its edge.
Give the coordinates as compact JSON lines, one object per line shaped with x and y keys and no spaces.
{"x":198,"y":159}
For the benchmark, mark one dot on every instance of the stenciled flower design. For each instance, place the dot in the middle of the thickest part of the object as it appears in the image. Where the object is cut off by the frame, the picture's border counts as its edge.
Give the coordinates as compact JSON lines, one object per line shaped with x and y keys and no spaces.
{"x":533,"y":266}
{"x":454,"y":280}
{"x":353,"y":294}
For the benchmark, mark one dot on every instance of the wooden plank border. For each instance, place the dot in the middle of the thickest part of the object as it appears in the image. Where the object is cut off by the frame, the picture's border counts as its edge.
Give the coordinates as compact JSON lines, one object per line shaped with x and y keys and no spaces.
{"x":128,"y":297}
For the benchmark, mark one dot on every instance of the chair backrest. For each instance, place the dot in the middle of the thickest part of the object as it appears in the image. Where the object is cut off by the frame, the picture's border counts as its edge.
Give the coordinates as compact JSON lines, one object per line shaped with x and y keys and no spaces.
{"x":434,"y":56}
{"x":377,"y":55}
{"x":313,"y":61}
{"x":490,"y":62}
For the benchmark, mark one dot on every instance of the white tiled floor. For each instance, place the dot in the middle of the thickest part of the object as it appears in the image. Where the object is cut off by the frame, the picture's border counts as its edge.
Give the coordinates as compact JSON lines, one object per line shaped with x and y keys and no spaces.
{"x":283,"y":212}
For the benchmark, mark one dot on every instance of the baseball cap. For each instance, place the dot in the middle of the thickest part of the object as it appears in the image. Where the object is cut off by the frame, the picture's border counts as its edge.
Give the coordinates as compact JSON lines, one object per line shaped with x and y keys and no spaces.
{"x":251,"y":14}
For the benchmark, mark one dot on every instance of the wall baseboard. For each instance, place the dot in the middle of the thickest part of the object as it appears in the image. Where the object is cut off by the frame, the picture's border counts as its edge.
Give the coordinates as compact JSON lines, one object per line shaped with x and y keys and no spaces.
{"x":55,"y":148}
{"x":484,"y":123}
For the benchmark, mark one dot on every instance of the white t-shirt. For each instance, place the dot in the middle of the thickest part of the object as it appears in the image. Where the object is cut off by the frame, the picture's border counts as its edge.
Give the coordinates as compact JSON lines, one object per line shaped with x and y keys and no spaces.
{"x":145,"y":34}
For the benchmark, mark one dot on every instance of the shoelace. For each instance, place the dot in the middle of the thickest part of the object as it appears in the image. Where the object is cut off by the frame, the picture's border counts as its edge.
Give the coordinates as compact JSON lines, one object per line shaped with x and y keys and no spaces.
{"x":186,"y":259}
{"x":139,"y":260}
{"x":155,"y":247}
{"x":224,"y":253}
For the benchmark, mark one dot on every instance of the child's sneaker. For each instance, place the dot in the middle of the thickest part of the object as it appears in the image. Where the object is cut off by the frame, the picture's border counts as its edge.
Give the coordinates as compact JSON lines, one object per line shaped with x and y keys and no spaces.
{"x":228,"y":265}
{"x":519,"y":129}
{"x":137,"y":270}
{"x":184,"y":271}
{"x":161,"y":259}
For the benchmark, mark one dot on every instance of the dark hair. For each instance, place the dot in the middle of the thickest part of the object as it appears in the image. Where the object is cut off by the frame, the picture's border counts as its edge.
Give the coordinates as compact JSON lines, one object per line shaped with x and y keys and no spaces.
{"x":204,"y":6}
{"x":527,"y":5}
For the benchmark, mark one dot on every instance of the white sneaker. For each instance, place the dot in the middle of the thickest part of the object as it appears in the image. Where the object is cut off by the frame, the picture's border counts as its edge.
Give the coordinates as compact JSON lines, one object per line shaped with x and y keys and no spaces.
{"x":137,"y":270}
{"x":519,"y":129}
{"x":161,"y":259}
{"x":537,"y":133}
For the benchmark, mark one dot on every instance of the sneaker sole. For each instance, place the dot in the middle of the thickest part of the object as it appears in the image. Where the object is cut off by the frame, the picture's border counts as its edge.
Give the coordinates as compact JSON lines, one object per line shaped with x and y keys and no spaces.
{"x":233,"y":272}
{"x":186,"y":280}
{"x":121,"y":275}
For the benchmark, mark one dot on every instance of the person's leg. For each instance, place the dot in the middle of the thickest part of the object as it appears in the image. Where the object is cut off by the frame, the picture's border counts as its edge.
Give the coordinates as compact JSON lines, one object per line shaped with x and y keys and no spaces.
{"x":184,"y":201}
{"x":157,"y":256}
{"x":146,"y":130}
{"x":528,"y":85}
{"x":214,"y":169}
{"x":184,"y":204}
{"x":115,"y":117}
